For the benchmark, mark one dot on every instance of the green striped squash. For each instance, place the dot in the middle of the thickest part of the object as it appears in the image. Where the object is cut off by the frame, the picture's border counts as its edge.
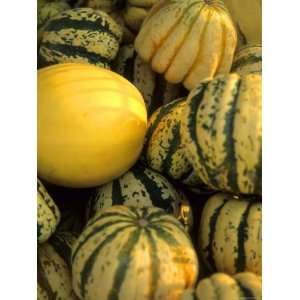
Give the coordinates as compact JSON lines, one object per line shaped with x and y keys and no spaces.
{"x":81,"y":35}
{"x":155,"y":89}
{"x":248,"y":59}
{"x":164,"y":150}
{"x":142,"y":187}
{"x":221,"y":130}
{"x":48,"y":214}
{"x":132,"y":253}
{"x":47,"y":11}
{"x":230,"y":235}
{"x":220,"y":286}
{"x":53,"y":268}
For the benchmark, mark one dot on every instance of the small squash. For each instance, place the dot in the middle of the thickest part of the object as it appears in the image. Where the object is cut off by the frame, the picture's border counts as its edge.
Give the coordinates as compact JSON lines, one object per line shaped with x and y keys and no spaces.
{"x":142,"y":187}
{"x":91,"y":125}
{"x":188,"y":41}
{"x":81,"y":35}
{"x":133,"y":253}
{"x":230,"y":234}
{"x":48,"y":214}
{"x":222,"y":129}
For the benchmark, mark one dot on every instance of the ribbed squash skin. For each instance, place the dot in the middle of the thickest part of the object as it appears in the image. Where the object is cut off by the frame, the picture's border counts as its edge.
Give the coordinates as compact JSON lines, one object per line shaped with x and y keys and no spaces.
{"x":221,"y":286}
{"x":188,"y":41}
{"x":48,"y":214}
{"x":91,"y":125}
{"x":53,"y":268}
{"x":164,"y":150}
{"x":155,"y":89}
{"x":221,"y":129}
{"x":230,"y":235}
{"x":248,"y":59}
{"x":247,"y":16}
{"x":142,"y":187}
{"x":80,"y":35}
{"x":129,"y":253}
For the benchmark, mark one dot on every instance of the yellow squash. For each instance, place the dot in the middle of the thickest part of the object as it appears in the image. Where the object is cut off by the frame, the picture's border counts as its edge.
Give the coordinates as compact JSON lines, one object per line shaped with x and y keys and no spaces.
{"x":91,"y":125}
{"x":188,"y":41}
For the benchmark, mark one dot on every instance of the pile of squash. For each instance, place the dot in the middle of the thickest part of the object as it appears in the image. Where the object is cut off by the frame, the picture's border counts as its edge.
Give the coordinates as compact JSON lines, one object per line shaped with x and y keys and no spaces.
{"x":149,"y":150}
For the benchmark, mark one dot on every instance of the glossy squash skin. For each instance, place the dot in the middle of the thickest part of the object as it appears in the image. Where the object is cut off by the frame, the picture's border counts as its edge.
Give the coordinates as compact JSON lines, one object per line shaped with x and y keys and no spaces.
{"x":188,"y":41}
{"x":91,"y":125}
{"x":222,"y":133}
{"x":121,"y":243}
{"x":230,"y":234}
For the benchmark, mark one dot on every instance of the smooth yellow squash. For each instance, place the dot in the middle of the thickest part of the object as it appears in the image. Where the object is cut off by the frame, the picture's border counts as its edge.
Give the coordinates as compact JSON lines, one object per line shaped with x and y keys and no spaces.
{"x":91,"y":125}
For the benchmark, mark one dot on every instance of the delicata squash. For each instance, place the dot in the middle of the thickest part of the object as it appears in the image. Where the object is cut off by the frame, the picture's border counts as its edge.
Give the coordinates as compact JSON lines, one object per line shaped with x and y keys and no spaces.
{"x":188,"y":41}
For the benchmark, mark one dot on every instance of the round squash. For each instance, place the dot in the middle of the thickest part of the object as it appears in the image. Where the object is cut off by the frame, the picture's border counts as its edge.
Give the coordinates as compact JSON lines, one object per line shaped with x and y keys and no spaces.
{"x":131,"y":253}
{"x":248,"y":59}
{"x":91,"y":125}
{"x":142,"y":187}
{"x":221,"y":130}
{"x":80,"y":35}
{"x":48,"y":214}
{"x":164,"y":150}
{"x":53,"y":268}
{"x":188,"y":41}
{"x":230,"y":234}
{"x":154,"y":88}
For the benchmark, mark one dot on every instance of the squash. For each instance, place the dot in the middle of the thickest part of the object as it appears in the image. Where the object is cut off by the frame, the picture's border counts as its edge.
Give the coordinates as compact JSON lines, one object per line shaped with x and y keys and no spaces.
{"x":248,"y":20}
{"x":91,"y":125}
{"x":132,"y":253}
{"x":221,"y":130}
{"x":142,"y":187}
{"x":46,"y":12}
{"x":154,"y":88}
{"x":48,"y":214}
{"x":53,"y":268}
{"x":164,"y":150}
{"x":188,"y":41}
{"x":80,"y":35}
{"x":248,"y":59}
{"x":230,"y":234}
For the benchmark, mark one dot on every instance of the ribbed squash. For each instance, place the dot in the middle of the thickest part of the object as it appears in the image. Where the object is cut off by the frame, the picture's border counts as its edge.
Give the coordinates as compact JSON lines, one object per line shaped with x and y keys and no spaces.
{"x":154,"y":88}
{"x":142,"y":187}
{"x":221,"y":130}
{"x":129,"y":253}
{"x":230,"y":234}
{"x":164,"y":150}
{"x":48,"y":214}
{"x":248,"y":59}
{"x":188,"y":41}
{"x":47,"y":11}
{"x":53,"y":268}
{"x":247,"y":16}
{"x":81,"y":35}
{"x":91,"y":125}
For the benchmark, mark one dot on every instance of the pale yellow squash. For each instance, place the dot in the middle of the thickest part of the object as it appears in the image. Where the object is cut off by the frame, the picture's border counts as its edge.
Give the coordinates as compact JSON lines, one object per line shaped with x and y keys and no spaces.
{"x":91,"y":125}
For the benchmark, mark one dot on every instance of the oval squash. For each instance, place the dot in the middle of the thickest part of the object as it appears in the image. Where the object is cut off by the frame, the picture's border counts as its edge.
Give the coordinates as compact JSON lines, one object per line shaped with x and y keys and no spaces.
{"x":91,"y":125}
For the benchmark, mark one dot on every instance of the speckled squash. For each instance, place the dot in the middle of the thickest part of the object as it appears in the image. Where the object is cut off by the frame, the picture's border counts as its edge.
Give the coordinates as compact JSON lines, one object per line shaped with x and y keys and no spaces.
{"x":230,"y":234}
{"x":248,"y":59}
{"x":53,"y":268}
{"x":155,"y":89}
{"x":221,"y":130}
{"x":48,"y":214}
{"x":91,"y":125}
{"x":130,"y":253}
{"x":188,"y":41}
{"x":81,"y":35}
{"x":163,"y":148}
{"x":46,"y":12}
{"x":142,"y":187}
{"x":220,"y":286}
